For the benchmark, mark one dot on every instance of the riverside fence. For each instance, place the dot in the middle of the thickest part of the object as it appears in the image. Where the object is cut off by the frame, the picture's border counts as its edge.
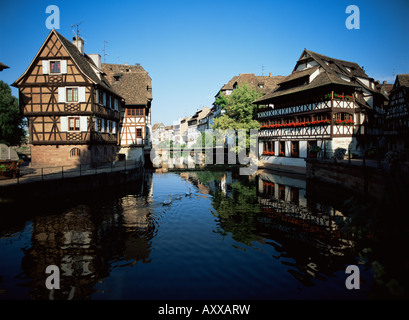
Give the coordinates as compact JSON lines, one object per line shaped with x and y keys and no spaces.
{"x":29,"y":174}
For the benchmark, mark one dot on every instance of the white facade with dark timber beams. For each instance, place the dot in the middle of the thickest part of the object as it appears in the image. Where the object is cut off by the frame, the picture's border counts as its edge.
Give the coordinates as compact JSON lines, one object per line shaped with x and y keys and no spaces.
{"x":324,"y":104}
{"x":397,"y":116}
{"x":135,"y":85}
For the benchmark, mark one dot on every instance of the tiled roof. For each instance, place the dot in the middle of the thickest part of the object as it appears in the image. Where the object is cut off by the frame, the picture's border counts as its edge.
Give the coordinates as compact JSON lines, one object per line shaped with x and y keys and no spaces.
{"x":269,"y":82}
{"x":335,"y":65}
{"x":130,"y":81}
{"x":299,"y":74}
{"x":85,"y":63}
{"x":330,"y":73}
{"x":157,"y":126}
{"x":403,"y":79}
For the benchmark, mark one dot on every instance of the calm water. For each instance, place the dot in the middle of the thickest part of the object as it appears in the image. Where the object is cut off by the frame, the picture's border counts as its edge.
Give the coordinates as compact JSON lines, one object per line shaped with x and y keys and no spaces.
{"x":196,"y":235}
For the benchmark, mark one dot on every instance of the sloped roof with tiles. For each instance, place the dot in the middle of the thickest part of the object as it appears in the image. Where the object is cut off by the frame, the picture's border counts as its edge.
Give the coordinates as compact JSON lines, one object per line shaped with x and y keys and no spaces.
{"x":328,"y":71}
{"x":130,"y":81}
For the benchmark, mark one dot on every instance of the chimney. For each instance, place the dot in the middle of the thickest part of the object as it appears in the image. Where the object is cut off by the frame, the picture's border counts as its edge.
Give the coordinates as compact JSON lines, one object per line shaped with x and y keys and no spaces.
{"x":385,"y":82}
{"x":96,"y":58}
{"x":79,"y":43}
{"x":270,"y":75}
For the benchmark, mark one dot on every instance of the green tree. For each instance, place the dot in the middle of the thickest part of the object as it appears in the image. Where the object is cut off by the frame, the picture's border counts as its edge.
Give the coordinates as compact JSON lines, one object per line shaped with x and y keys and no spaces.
{"x":240,"y":113}
{"x":11,"y":121}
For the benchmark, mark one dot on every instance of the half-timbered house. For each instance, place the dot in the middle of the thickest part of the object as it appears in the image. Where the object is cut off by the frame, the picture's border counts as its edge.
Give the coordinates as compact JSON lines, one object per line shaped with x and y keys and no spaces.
{"x":134,"y":84}
{"x":324,"y":103}
{"x":72,"y":110}
{"x":397,"y":115}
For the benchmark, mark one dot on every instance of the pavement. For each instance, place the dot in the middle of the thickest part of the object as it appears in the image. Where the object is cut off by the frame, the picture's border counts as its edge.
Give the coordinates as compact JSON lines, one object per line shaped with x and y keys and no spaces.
{"x":29,"y":174}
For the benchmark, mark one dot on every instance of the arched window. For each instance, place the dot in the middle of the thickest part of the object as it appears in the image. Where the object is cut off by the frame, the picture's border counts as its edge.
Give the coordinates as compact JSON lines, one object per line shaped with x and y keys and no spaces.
{"x":75,"y":152}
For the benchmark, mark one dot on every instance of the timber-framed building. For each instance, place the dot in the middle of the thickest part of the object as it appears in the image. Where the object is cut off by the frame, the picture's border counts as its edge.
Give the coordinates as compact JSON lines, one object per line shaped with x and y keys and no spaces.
{"x":323,"y":104}
{"x":134,"y":84}
{"x":72,"y":110}
{"x":397,"y":116}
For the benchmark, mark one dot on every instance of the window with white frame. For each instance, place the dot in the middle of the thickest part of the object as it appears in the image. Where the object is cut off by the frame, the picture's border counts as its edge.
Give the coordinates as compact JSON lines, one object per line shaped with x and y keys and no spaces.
{"x":54,"y":67}
{"x":72,"y":95}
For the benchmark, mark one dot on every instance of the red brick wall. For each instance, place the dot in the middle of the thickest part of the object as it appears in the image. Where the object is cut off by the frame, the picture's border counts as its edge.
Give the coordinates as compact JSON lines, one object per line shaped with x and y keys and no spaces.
{"x":53,"y":156}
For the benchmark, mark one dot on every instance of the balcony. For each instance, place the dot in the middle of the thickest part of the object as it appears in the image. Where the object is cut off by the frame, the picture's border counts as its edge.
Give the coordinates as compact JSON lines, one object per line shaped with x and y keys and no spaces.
{"x":326,"y":103}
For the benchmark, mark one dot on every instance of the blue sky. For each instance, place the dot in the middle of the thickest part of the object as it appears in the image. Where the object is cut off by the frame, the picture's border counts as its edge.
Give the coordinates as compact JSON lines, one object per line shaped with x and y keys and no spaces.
{"x":192,"y":48}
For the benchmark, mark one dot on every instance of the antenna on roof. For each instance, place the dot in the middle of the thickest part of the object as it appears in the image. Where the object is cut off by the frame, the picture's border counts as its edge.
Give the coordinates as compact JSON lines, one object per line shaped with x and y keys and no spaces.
{"x":77,"y":27}
{"x":262,"y":70}
{"x":105,"y":54}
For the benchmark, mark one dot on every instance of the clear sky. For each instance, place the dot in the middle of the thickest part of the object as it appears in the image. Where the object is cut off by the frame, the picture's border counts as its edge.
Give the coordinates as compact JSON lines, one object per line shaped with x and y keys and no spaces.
{"x":192,"y":48}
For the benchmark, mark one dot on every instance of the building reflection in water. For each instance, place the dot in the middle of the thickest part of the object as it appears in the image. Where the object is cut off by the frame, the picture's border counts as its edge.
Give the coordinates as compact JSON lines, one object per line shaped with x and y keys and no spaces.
{"x":277,"y":210}
{"x":86,"y":241}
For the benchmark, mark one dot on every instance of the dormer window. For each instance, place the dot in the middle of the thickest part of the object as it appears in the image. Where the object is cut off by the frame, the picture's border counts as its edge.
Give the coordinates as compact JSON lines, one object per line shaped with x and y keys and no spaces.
{"x":261,"y":85}
{"x":117,"y":78}
{"x":55,"y":67}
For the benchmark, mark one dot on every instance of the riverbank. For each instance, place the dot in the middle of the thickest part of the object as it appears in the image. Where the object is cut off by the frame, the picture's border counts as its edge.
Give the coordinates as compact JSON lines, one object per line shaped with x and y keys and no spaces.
{"x":67,"y":185}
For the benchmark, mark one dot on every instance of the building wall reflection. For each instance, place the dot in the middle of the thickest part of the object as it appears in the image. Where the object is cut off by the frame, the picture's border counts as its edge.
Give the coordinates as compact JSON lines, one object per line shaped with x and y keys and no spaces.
{"x":84,"y":241}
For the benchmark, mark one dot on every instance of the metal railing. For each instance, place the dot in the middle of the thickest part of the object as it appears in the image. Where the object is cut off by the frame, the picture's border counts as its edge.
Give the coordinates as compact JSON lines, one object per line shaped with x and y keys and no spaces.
{"x":30,"y":174}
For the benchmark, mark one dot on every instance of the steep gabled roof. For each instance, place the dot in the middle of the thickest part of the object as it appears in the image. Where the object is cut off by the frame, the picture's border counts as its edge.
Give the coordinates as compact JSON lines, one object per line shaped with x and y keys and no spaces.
{"x":321,"y":80}
{"x":84,"y":63}
{"x":334,"y":65}
{"x":131,"y":82}
{"x":331,"y":71}
{"x":299,"y":74}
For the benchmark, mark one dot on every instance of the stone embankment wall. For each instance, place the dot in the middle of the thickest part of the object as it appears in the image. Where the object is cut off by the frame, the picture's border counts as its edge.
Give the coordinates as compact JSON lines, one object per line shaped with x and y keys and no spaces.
{"x":361,"y":179}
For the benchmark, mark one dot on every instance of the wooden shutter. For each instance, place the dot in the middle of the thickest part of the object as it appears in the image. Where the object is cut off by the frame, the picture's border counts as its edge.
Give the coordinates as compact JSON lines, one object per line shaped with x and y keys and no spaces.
{"x":83,"y":123}
{"x":64,"y":124}
{"x":46,"y":67}
{"x":81,"y":94}
{"x":61,"y":94}
{"x":63,"y":66}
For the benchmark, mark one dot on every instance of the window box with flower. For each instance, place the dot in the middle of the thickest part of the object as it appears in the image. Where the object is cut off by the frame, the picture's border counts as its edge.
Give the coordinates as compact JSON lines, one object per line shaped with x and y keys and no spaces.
{"x":268,"y":153}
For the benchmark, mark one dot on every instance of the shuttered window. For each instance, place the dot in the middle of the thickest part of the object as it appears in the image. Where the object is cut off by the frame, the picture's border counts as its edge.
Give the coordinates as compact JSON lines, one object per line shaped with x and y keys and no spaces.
{"x":73,"y":123}
{"x":72,"y":95}
{"x":55,"y":66}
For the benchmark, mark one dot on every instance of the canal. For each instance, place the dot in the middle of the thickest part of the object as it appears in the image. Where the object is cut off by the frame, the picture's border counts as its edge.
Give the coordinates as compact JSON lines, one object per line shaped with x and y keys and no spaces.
{"x":185,"y":235}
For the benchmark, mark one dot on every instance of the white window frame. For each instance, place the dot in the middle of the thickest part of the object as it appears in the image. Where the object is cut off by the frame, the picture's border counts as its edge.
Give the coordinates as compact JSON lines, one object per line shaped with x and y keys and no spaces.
{"x":47,"y":70}
{"x":62,"y":94}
